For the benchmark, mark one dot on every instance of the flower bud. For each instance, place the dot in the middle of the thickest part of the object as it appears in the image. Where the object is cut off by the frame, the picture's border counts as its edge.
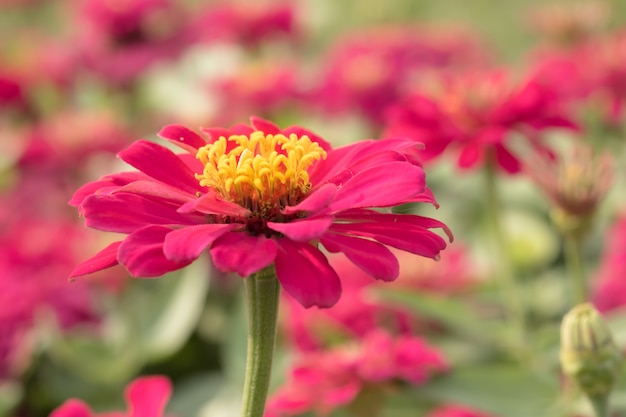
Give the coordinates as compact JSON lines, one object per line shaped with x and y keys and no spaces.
{"x":588,"y":353}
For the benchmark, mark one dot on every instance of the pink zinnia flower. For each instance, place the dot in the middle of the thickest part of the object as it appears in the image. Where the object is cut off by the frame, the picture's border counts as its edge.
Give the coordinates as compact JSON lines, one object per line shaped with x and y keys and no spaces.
{"x":475,"y":114}
{"x":256,"y":195}
{"x":323,"y":381}
{"x":146,"y":397}
{"x":369,"y":70}
{"x":121,"y":39}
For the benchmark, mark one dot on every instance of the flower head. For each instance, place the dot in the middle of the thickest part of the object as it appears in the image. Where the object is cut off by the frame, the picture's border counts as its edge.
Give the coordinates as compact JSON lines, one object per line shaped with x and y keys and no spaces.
{"x":576,"y":184}
{"x":256,"y":196}
{"x":475,"y":114}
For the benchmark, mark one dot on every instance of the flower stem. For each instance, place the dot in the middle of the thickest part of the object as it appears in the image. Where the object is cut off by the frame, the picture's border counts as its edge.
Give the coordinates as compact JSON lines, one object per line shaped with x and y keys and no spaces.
{"x":262,"y":295}
{"x":510,"y":290}
{"x":573,"y":259}
{"x":600,"y":405}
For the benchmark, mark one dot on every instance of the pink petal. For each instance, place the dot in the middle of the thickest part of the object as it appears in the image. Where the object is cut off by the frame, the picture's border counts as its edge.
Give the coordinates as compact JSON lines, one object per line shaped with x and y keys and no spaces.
{"x":116,"y":180}
{"x":72,"y":408}
{"x":410,"y":220}
{"x":242,"y":253}
{"x":264,"y":126}
{"x":371,"y":257}
{"x":183,"y":137}
{"x":304,"y":272}
{"x":402,"y":236}
{"x":216,"y":132}
{"x":384,"y":186}
{"x":470,"y":156}
{"x":142,"y":253}
{"x":156,"y":189}
{"x":317,"y":200}
{"x":303,"y":230}
{"x":188,"y":243}
{"x":147,"y":396}
{"x":104,"y":259}
{"x":211,"y":203}
{"x":507,"y":161}
{"x":125,"y":213}
{"x":161,"y":164}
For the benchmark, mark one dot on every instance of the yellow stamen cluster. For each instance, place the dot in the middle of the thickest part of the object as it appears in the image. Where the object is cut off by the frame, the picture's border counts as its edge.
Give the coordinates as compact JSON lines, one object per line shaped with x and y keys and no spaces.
{"x":260,"y":170}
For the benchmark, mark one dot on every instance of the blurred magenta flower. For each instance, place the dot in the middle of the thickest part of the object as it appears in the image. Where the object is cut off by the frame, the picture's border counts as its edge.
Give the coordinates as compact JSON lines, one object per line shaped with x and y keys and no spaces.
{"x":591,"y":74}
{"x":475,"y":114}
{"x":359,"y":311}
{"x":370,"y":69}
{"x":263,"y":87}
{"x":32,"y":289}
{"x":245,"y":23}
{"x":257,"y":195}
{"x":146,"y":396}
{"x":610,"y":285}
{"x":119,"y":40}
{"x":323,"y":381}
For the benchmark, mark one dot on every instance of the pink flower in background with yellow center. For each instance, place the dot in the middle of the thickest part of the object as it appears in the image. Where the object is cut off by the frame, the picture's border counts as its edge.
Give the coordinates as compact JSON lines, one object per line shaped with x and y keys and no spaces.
{"x":475,"y":114}
{"x":256,"y":196}
{"x":145,"y":396}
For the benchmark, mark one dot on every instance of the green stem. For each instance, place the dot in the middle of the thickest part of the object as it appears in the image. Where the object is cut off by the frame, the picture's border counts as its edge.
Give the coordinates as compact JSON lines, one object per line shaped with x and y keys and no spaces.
{"x":510,"y":290}
{"x":262,"y":294}
{"x":573,"y":259}
{"x":600,"y":405}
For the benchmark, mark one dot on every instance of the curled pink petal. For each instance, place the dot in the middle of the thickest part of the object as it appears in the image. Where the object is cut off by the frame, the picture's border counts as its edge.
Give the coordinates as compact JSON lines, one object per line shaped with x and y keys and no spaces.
{"x":186,"y":244}
{"x":104,"y":259}
{"x":142,"y":253}
{"x":243,"y":254}
{"x":303,"y":230}
{"x":304,"y":272}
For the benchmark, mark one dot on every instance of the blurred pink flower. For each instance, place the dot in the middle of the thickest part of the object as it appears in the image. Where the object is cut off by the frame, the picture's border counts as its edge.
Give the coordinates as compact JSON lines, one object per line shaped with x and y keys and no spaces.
{"x":358,"y":312}
{"x":262,"y":88}
{"x":247,"y":24}
{"x":369,"y":70}
{"x":257,"y":195}
{"x":456,"y":411}
{"x":55,"y":144}
{"x":593,"y":72}
{"x":33,"y":267}
{"x":475,"y":114}
{"x":323,"y":381}
{"x":610,"y":282}
{"x":146,"y":396}
{"x":120,"y":39}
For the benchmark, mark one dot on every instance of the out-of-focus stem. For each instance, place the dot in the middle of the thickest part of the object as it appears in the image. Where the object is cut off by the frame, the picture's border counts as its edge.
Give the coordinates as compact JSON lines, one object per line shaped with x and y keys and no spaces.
{"x":576,"y":270}
{"x":510,"y":290}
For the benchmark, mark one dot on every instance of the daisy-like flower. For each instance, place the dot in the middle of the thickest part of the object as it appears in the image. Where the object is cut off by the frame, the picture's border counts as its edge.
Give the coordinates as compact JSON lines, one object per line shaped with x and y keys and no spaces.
{"x":256,"y":196}
{"x":476,"y":114}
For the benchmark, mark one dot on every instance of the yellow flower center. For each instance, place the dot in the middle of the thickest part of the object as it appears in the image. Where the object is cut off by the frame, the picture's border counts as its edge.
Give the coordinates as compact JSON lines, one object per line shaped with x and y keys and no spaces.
{"x":259,"y":171}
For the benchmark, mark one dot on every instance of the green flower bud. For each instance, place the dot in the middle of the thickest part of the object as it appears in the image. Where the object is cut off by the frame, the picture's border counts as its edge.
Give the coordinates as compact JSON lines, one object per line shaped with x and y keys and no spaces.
{"x":588,"y":353}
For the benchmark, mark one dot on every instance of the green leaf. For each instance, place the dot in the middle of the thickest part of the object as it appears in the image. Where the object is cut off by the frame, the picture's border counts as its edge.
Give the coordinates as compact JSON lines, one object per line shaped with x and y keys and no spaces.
{"x":193,"y":393}
{"x":178,"y":318}
{"x":504,"y":390}
{"x":452,"y":314}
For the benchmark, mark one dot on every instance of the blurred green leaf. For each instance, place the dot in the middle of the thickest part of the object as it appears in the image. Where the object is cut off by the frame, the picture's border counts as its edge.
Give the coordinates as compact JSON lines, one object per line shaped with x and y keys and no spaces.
{"x":177,"y":319}
{"x":191,"y":394}
{"x":501,"y":389}
{"x":451,"y":313}
{"x":10,"y":395}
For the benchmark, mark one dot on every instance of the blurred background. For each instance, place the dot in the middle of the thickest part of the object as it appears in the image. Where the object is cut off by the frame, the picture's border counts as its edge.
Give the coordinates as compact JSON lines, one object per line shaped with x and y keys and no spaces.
{"x":82,"y":79}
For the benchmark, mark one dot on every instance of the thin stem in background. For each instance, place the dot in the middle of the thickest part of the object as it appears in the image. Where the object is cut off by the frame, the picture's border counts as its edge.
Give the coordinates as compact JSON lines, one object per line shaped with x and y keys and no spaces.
{"x":511,"y":294}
